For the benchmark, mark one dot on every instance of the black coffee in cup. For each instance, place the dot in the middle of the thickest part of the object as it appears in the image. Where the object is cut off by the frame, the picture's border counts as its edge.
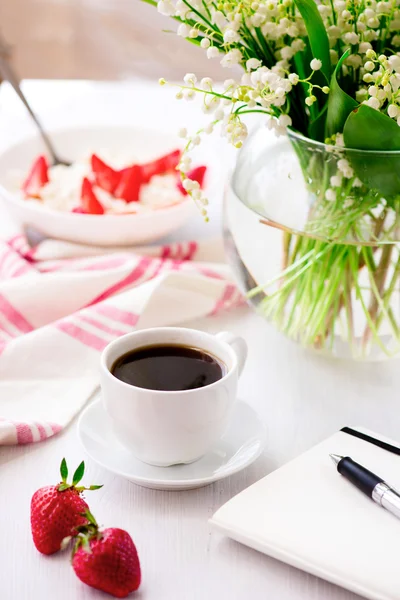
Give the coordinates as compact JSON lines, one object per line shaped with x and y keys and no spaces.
{"x":168,"y":368}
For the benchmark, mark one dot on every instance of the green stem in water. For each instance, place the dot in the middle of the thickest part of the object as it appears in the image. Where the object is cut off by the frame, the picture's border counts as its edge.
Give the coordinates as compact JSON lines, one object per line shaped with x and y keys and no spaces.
{"x":378,"y":274}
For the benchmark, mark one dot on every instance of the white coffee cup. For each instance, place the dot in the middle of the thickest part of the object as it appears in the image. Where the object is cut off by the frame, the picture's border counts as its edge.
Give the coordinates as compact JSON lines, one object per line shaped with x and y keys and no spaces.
{"x":165,"y":428}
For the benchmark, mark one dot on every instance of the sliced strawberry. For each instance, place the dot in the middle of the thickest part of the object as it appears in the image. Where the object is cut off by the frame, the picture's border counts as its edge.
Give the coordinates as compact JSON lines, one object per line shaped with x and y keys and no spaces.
{"x":89,"y":202}
{"x":37,"y":177}
{"x":128,"y":188}
{"x":162,"y":165}
{"x":196,"y":174}
{"x":105,"y":177}
{"x":123,"y":172}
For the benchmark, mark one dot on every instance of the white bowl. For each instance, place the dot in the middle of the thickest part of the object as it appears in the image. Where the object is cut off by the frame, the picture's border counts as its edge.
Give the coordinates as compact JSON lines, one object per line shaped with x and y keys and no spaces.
{"x":100,"y":230}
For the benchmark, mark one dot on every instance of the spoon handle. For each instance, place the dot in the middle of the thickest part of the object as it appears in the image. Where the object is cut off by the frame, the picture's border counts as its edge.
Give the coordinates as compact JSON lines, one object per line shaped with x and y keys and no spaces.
{"x":8,"y":74}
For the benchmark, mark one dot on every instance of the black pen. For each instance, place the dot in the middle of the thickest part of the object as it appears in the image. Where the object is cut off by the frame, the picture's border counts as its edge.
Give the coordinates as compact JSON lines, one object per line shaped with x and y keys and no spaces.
{"x":369,"y":483}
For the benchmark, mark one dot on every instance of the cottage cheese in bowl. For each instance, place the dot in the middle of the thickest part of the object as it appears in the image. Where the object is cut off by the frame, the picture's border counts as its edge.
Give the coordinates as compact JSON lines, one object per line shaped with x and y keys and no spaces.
{"x":158,"y":207}
{"x":63,"y":190}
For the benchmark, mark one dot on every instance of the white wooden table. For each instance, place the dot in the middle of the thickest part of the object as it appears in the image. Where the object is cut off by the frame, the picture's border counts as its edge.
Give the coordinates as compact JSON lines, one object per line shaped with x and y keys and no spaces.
{"x":303,"y":398}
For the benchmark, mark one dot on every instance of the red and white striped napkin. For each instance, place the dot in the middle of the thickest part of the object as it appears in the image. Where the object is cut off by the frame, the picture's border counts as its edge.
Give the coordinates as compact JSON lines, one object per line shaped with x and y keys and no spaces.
{"x":61,"y":304}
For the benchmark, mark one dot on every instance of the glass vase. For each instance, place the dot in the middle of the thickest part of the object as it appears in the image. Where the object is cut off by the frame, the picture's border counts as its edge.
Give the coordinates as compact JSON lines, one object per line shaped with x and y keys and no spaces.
{"x":312,"y":232}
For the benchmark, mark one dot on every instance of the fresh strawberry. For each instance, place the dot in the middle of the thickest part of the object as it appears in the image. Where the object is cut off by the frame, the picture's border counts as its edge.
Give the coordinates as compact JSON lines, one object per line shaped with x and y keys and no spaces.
{"x":106,"y":560}
{"x":105,"y":177}
{"x":56,"y":510}
{"x":89,"y":202}
{"x":37,"y":177}
{"x":162,"y":165}
{"x":196,"y":174}
{"x":129,"y":186}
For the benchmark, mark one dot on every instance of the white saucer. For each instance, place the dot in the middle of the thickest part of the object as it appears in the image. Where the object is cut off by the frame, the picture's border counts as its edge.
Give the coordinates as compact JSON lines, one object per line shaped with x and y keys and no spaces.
{"x":239,"y":447}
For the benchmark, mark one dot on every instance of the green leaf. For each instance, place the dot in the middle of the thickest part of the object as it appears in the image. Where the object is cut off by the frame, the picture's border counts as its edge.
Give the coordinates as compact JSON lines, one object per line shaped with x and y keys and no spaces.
{"x":340,"y":104}
{"x":317,"y":35}
{"x":95,"y":487}
{"x":369,"y":129}
{"x":269,"y":58}
{"x":78,"y":473}
{"x":317,"y":126}
{"x":194,"y":41}
{"x":302,"y":67}
{"x":63,"y":486}
{"x":64,"y":470}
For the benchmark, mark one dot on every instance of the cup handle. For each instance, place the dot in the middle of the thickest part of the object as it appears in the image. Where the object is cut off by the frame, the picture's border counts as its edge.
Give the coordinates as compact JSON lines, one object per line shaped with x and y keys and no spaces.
{"x":238,"y":344}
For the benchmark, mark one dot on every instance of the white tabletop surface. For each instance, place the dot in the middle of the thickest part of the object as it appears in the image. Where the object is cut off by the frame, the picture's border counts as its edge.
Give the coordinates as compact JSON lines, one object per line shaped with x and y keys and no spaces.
{"x":302,"y":397}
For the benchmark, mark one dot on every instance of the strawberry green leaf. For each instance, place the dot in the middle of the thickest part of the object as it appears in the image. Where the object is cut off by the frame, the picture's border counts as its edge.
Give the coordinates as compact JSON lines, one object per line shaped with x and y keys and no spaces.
{"x":317,"y":35}
{"x":77,"y":544}
{"x":369,"y":129}
{"x":95,"y":487}
{"x":64,"y":470}
{"x":90,"y":518}
{"x":340,"y":104}
{"x":78,"y":473}
{"x":63,"y":486}
{"x":86,"y":545}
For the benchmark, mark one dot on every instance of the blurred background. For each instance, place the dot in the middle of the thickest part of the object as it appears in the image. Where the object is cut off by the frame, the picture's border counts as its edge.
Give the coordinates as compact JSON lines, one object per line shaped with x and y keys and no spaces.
{"x":97,"y":39}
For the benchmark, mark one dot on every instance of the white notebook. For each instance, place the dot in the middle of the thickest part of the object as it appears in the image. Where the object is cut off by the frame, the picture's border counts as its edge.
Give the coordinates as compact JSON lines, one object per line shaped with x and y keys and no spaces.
{"x":309,"y":516}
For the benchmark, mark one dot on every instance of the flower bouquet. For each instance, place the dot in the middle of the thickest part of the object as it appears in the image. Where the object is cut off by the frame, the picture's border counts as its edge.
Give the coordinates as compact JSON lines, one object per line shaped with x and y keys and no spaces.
{"x":328,"y":74}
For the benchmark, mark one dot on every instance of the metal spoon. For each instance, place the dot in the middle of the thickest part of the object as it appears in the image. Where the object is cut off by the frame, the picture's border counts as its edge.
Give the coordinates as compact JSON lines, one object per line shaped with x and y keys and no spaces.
{"x":8,"y":74}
